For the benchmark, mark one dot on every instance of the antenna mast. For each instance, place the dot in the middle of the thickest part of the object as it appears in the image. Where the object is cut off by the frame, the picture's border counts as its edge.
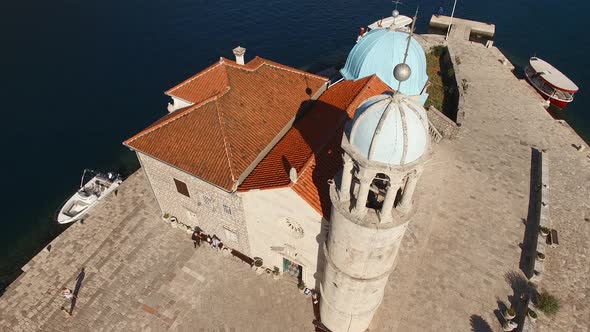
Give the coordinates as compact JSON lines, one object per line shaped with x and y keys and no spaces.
{"x":395,"y":13}
{"x":451,"y":21}
{"x":411,"y":34}
{"x":402,"y":71}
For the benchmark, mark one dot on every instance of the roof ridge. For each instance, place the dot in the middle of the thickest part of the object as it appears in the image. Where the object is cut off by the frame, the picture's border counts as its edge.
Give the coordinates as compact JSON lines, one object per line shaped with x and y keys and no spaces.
{"x":194,"y":77}
{"x":228,"y":153}
{"x":247,"y":66}
{"x":272,"y":64}
{"x":181,"y":114}
{"x":365,"y":88}
{"x":291,"y":69}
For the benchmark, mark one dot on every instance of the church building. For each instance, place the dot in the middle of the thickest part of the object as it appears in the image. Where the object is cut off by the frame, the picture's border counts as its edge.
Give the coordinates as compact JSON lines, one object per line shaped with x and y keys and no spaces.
{"x":310,"y":176}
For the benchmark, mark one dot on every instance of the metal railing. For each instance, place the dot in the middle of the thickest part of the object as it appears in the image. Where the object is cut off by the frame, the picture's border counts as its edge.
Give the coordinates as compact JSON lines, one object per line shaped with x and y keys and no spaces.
{"x":434,"y":133}
{"x":547,"y":89}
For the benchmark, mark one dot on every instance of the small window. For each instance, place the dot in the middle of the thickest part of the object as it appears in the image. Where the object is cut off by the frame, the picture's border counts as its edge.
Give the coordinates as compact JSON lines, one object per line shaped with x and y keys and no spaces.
{"x":181,"y":187}
{"x":226,"y":209}
{"x":230,"y":235}
{"x":207,"y":199}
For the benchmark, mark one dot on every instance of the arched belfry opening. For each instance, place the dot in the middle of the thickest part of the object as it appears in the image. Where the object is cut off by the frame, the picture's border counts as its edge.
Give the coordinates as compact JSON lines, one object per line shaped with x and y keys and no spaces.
{"x":378,"y":191}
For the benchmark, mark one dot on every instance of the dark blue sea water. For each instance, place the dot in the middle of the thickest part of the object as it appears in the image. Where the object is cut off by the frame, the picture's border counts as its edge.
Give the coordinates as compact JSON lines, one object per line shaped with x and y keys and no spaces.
{"x":79,"y":77}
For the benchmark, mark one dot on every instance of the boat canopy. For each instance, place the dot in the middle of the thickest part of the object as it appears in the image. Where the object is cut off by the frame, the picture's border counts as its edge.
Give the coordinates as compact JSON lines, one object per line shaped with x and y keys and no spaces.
{"x":552,"y":76}
{"x":400,"y":22}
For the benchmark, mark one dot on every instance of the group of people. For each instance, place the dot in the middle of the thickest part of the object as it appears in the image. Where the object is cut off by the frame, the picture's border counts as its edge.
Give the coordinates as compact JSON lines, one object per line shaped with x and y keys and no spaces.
{"x":212,"y":240}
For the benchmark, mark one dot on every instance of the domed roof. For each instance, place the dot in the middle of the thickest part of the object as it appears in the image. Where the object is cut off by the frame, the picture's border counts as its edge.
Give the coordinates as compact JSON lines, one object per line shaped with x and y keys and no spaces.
{"x":390,"y":129}
{"x":379,"y":51}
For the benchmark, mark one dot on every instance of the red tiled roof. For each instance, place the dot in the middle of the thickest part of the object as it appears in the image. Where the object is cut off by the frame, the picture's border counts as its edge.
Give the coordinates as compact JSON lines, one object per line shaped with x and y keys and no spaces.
{"x":312,"y":184}
{"x":238,"y":110}
{"x":312,"y":145}
{"x":204,"y":85}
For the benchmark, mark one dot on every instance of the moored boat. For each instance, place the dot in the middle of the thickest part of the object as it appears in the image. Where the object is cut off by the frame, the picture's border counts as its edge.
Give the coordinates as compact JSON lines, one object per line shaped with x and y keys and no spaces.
{"x":552,"y":84}
{"x":89,"y":194}
{"x":394,"y":22}
{"x":400,"y":22}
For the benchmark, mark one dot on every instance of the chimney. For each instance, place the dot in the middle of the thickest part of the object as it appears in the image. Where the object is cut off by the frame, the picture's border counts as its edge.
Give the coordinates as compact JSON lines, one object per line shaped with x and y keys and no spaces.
{"x":239,"y":53}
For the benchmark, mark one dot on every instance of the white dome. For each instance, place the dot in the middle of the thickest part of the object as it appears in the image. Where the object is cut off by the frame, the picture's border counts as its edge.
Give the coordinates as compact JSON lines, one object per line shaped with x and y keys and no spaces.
{"x":390,"y":129}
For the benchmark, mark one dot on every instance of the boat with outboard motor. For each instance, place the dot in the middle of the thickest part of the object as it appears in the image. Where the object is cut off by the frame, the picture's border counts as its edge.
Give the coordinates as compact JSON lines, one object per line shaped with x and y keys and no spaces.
{"x":89,"y":194}
{"x":394,"y":22}
{"x":400,"y":22}
{"x":552,"y":84}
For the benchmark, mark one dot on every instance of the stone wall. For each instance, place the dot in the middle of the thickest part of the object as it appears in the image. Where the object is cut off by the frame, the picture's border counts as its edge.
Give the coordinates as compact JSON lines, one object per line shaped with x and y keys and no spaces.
{"x":214,"y":210}
{"x":447,"y":127}
{"x":281,"y":224}
{"x":454,"y":83}
{"x":451,"y":60}
{"x":540,"y":216}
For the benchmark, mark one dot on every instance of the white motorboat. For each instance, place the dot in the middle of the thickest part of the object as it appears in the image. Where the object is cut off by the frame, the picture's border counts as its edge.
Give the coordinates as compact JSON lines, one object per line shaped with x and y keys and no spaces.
{"x":394,"y":22}
{"x":88,"y":196}
{"x":399,"y":22}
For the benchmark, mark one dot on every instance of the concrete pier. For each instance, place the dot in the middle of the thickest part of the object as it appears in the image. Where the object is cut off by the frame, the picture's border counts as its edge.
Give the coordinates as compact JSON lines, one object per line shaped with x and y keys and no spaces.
{"x":457,"y":266}
{"x":462,"y":28}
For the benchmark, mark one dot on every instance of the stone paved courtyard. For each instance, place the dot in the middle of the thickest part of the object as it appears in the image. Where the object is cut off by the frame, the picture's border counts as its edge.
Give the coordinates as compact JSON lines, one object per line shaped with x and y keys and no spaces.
{"x":142,"y":275}
{"x":455,"y":269}
{"x":461,"y":253}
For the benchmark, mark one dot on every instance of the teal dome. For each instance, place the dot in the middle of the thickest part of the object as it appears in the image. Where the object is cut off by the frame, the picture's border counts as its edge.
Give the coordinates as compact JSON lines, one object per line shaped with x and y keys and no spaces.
{"x":379,"y":51}
{"x":390,"y":129}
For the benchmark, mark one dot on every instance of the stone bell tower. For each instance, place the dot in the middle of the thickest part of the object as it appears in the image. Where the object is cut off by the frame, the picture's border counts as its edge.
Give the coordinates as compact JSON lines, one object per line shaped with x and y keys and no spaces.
{"x":385,"y":147}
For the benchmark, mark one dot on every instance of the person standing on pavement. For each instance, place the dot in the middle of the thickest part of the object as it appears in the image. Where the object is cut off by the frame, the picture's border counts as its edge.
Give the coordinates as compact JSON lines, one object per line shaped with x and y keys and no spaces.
{"x":197,"y":237}
{"x":68,"y":295}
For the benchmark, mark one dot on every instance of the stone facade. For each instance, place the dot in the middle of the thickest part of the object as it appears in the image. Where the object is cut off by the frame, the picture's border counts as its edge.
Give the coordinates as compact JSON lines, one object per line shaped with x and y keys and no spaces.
{"x":282,"y":225}
{"x":214,"y":210}
{"x":363,"y":242}
{"x":271,"y":224}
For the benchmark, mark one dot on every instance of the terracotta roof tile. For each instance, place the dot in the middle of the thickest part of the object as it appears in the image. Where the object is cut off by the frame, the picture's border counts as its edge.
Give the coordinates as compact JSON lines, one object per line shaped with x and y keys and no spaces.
{"x":210,"y":82}
{"x":175,"y":143}
{"x":312,"y":145}
{"x":312,"y":184}
{"x":238,"y":111}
